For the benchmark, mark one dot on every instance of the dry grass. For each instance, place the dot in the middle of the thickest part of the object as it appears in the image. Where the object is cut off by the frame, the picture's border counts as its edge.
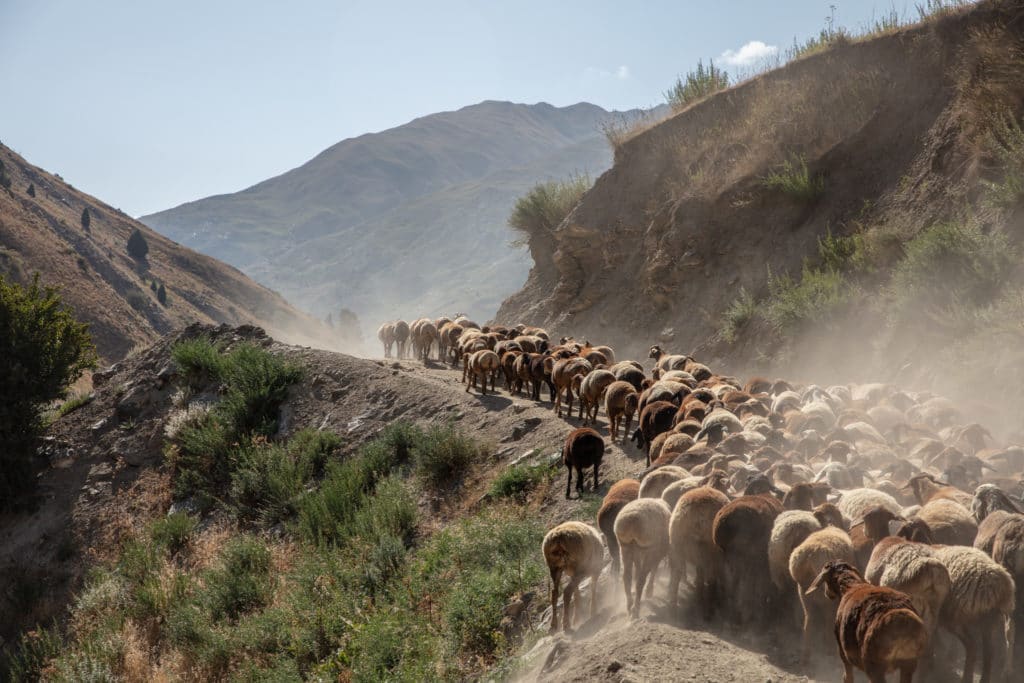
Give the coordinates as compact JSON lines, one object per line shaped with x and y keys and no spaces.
{"x":988,"y":82}
{"x":621,"y":129}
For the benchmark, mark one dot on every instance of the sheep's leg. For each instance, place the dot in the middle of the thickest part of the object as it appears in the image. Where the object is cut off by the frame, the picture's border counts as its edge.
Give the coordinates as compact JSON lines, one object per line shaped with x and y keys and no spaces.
{"x":875,"y":672}
{"x":627,"y":577}
{"x":847,"y":672}
{"x":576,"y":601}
{"x":567,"y":595}
{"x":641,"y":576}
{"x":907,"y":672}
{"x":969,"y":646}
{"x":556,"y":578}
{"x":568,"y":483}
{"x":805,"y":643}
{"x":551,"y":389}
{"x":613,"y":550}
{"x":579,"y":480}
{"x":673,"y":583}
{"x":596,"y":466}
{"x":593,"y":593}
{"x":986,"y":651}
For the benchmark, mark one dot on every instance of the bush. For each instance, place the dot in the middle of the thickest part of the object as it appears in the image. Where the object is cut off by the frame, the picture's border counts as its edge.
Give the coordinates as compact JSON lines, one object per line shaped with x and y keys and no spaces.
{"x":173,"y":531}
{"x":741,"y":311}
{"x":74,"y":403}
{"x":34,"y":651}
{"x":949,"y":265}
{"x":546,"y":205}
{"x":699,"y":83}
{"x":1005,"y":142}
{"x":444,"y":454}
{"x":199,"y":361}
{"x":5,"y":180}
{"x":242,"y":581}
{"x":137,"y":300}
{"x":815,"y":298}
{"x":519,"y":480}
{"x":137,"y":245}
{"x":793,"y":178}
{"x":45,"y":350}
{"x":31,"y":190}
{"x":161,"y":295}
{"x":87,"y":219}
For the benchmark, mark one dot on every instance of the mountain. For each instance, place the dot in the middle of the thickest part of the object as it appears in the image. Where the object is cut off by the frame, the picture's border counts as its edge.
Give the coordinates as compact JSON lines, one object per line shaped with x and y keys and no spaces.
{"x":42,"y":232}
{"x":387,"y":223}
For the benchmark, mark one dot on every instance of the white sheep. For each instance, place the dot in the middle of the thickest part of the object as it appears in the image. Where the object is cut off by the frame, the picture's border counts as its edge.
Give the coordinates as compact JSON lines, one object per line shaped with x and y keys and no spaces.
{"x":575,"y":549}
{"x":641,"y":530}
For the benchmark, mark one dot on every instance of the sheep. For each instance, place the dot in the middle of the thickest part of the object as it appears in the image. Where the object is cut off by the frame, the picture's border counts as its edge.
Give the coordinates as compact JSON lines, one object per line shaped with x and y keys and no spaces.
{"x":690,"y":541}
{"x":877,"y":629}
{"x":401,"y":337}
{"x":854,"y":503}
{"x":950,"y":523}
{"x":562,"y":374}
{"x":926,"y":489}
{"x":620,"y":493}
{"x":742,"y":530}
{"x":628,"y":372}
{"x":805,"y":563}
{"x":652,"y":485}
{"x":655,"y":419}
{"x":664,"y":362}
{"x":592,"y":389}
{"x":386,"y":335}
{"x":981,"y":595}
{"x":911,"y":568}
{"x":789,"y":530}
{"x":991,"y":508}
{"x":575,"y":549}
{"x":508,"y":369}
{"x":483,"y":364}
{"x":641,"y":530}
{"x":541,"y":374}
{"x":583,"y":448}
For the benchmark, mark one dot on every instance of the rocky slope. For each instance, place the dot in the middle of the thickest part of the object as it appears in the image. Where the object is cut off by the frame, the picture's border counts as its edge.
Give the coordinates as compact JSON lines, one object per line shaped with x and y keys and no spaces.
{"x":385,"y":222}
{"x":111,"y":290}
{"x":893,"y":127}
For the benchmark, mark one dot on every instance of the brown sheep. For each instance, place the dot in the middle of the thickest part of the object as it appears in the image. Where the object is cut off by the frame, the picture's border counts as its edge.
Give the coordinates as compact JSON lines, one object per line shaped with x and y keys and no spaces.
{"x":742,"y":530}
{"x":641,"y":530}
{"x":591,"y":391}
{"x":483,"y":364}
{"x":620,"y":401}
{"x":877,"y":629}
{"x":562,"y":374}
{"x":690,"y":541}
{"x":575,"y":549}
{"x":655,"y":418}
{"x":401,"y":337}
{"x":620,"y":493}
{"x":583,"y":448}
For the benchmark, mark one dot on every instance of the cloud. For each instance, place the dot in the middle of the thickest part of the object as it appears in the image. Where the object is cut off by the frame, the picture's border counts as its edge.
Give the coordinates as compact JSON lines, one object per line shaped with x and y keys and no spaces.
{"x":595,"y":73}
{"x":750,"y":54}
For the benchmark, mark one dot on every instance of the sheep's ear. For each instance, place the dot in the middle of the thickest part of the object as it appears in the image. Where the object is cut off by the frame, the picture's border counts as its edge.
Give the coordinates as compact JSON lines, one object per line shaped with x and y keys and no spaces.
{"x":814,"y":584}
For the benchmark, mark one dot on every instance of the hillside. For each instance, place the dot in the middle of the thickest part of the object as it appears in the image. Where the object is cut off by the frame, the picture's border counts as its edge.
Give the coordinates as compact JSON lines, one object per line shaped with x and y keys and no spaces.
{"x":900,"y":235}
{"x":111,"y":290}
{"x":378,"y":223}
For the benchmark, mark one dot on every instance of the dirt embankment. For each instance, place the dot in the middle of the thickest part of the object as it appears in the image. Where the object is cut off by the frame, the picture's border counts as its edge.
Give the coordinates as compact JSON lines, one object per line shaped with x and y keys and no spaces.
{"x":663,"y":243}
{"x":43,"y":232}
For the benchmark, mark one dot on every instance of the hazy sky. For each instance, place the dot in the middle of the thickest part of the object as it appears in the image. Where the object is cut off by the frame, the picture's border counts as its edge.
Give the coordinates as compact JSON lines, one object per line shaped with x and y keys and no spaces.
{"x":150,"y":104}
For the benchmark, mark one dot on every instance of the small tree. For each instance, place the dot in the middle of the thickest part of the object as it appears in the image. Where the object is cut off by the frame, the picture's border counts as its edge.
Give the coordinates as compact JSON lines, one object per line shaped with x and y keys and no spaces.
{"x":698,"y":83}
{"x":86,"y":219}
{"x":31,"y":190}
{"x":161,"y":295}
{"x":45,"y":350}
{"x":137,"y":245}
{"x":5,"y":180}
{"x":152,"y":286}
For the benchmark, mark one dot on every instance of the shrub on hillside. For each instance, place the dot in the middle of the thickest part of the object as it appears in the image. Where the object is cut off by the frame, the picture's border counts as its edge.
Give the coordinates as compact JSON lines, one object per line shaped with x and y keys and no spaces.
{"x":443,"y":455}
{"x":31,"y":190}
{"x":740,"y":312}
{"x":86,"y":219}
{"x":696,"y":85}
{"x":793,"y":178}
{"x":5,"y":180}
{"x":45,"y":350}
{"x":815,"y":297}
{"x":161,"y":295}
{"x":1005,"y":142}
{"x":544,"y":207}
{"x":137,"y":245}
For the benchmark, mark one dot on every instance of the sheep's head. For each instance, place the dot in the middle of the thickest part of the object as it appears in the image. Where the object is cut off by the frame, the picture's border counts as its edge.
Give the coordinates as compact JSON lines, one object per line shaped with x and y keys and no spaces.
{"x":988,"y":498}
{"x":799,"y":497}
{"x":924,"y":487}
{"x":876,"y":522}
{"x":916,"y":530}
{"x":655,"y":352}
{"x":828,"y":514}
{"x":833,"y":575}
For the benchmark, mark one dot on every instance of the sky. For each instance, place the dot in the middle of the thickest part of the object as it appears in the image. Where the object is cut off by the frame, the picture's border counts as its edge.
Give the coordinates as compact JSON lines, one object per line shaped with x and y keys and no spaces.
{"x":147,"y":105}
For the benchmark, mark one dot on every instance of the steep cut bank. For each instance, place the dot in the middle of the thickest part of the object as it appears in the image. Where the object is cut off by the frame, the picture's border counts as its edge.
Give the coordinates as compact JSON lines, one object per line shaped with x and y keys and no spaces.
{"x":383,"y":222}
{"x":44,"y":231}
{"x":875,"y":141}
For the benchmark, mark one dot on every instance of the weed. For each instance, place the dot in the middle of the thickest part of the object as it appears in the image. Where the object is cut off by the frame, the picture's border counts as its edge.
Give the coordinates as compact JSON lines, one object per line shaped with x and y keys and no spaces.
{"x":814,"y":298}
{"x":519,"y":480}
{"x":793,"y":178}
{"x":545,"y":206}
{"x":33,"y":652}
{"x":696,"y":85}
{"x":74,"y":403}
{"x":199,"y":361}
{"x":173,"y":531}
{"x":740,"y":312}
{"x":444,"y":454}
{"x":242,"y":582}
{"x":1005,"y":142}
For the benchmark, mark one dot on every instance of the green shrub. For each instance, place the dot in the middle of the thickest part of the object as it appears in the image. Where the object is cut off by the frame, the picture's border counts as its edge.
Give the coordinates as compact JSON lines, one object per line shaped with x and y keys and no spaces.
{"x":825,"y":39}
{"x":242,"y":582}
{"x":5,"y":180}
{"x":697,"y":84}
{"x":546,"y":205}
{"x":394,"y":645}
{"x":949,"y":264}
{"x":45,"y":350}
{"x":815,"y":298}
{"x":74,"y":403}
{"x":519,"y":480}
{"x":31,"y":190}
{"x":1005,"y":142}
{"x":25,"y":662}
{"x":86,"y":219}
{"x":266,"y":483}
{"x":137,"y":299}
{"x":173,"y":531}
{"x":137,"y":245}
{"x":740,"y":312}
{"x":313,"y":448}
{"x":794,"y":179}
{"x":444,"y":454}
{"x":258,"y":383}
{"x":161,"y":294}
{"x":199,"y":361}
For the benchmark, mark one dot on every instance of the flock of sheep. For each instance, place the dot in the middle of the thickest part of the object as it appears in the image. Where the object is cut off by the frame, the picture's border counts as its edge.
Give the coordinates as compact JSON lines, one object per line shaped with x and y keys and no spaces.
{"x":868,"y":507}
